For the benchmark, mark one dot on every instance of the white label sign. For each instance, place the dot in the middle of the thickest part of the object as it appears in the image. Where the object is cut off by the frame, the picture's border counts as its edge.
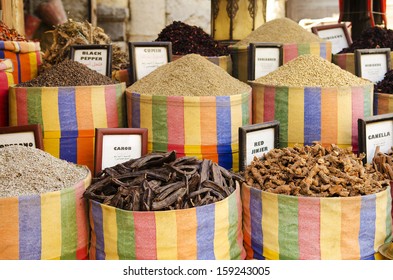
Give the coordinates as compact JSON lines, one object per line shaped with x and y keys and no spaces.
{"x":373,"y":67}
{"x":147,"y":59}
{"x":378,"y":134}
{"x":336,"y":36}
{"x":26,"y":139}
{"x":95,"y":59}
{"x":258,"y":143}
{"x":120,"y":148}
{"x":266,"y":61}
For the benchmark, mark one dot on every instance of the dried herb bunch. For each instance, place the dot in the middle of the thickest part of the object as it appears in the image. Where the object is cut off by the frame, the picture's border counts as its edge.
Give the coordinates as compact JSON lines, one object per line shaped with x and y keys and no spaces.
{"x":188,"y":39}
{"x":160,"y":181}
{"x":315,"y":171}
{"x":80,"y":33}
{"x":10,"y":34}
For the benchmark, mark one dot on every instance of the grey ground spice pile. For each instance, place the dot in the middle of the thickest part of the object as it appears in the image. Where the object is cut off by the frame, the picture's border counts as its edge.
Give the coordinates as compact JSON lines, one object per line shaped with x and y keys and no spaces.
{"x":28,"y":171}
{"x":281,"y":30}
{"x":190,"y":75}
{"x":68,"y":73}
{"x":311,"y":71}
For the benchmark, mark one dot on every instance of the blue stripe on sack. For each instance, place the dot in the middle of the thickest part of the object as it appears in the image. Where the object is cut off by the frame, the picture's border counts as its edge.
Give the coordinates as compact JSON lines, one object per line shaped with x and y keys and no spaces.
{"x":67,"y":112}
{"x":96,"y":212}
{"x":30,"y":227}
{"x":205,"y":232}
{"x":68,"y":149}
{"x":256,"y":223}
{"x":367,"y":226}
{"x":312,"y":115}
{"x":322,"y":50}
{"x":224,"y":131}
{"x":136,"y":110}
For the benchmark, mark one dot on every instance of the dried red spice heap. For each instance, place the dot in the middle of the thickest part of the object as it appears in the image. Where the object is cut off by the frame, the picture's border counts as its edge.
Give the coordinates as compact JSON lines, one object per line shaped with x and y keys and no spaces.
{"x":187,"y":39}
{"x":373,"y":37}
{"x":385,"y":85}
{"x":10,"y":34}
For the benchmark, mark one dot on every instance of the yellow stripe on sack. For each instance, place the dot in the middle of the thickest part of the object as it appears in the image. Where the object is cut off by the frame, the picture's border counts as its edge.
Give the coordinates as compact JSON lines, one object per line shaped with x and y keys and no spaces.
{"x":52,"y":146}
{"x":98,"y":106}
{"x":166,"y":235}
{"x":109,"y":226}
{"x":192,"y":126}
{"x":236,"y":122}
{"x":315,"y":48}
{"x":50,"y":112}
{"x":330,"y":230}
{"x":380,"y":219}
{"x":221,"y":228}
{"x":146,"y":118}
{"x":51,"y":226}
{"x":296,"y":115}
{"x":33,"y":65}
{"x":344,"y":127}
{"x":270,"y":226}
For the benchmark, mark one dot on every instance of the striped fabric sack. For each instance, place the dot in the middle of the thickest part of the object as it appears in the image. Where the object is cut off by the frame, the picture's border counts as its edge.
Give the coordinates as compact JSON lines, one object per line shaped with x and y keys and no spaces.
{"x":200,"y":126}
{"x":25,"y":56}
{"x":69,"y":116}
{"x":346,"y":61}
{"x":6,"y":80}
{"x":290,"y":51}
{"x":49,"y":226}
{"x":202,"y":233}
{"x":327,"y":115}
{"x":383,"y":103}
{"x":279,"y":226}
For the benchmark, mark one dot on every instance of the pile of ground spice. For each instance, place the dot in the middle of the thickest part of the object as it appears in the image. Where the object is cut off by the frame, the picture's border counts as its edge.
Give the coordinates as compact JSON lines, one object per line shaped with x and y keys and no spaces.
{"x":281,"y":30}
{"x":190,"y":75}
{"x":311,"y":71}
{"x":27,"y":171}
{"x":68,"y":73}
{"x":188,"y":39}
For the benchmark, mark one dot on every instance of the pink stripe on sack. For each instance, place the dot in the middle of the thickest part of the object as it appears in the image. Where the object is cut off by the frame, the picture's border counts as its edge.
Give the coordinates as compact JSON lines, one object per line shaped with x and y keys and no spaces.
{"x":308,"y":226}
{"x":145,"y":235}
{"x":269,"y":104}
{"x":175,"y":118}
{"x":111,"y":106}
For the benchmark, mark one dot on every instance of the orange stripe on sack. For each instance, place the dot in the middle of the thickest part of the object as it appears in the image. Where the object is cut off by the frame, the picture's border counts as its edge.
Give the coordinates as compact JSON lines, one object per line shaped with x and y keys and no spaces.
{"x":329,"y":116}
{"x":9,"y":228}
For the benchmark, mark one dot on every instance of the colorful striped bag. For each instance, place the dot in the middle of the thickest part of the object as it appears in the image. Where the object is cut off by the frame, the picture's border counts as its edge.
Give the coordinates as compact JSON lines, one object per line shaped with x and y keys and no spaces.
{"x":383,"y":103}
{"x":200,"y":126}
{"x":346,"y":61}
{"x":68,"y":116}
{"x":327,"y":115}
{"x":49,"y":226}
{"x":26,"y":58}
{"x":277,"y":226}
{"x":207,"y":232}
{"x":290,"y":51}
{"x":6,"y":80}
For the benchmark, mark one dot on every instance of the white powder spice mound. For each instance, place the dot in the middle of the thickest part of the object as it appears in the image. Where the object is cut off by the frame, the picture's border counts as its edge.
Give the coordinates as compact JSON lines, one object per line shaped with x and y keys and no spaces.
{"x":28,"y":171}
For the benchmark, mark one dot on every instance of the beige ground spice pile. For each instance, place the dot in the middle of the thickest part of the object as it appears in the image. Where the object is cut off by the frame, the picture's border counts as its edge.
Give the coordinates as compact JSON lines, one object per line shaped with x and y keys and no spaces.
{"x":27,"y":171}
{"x":190,"y":75}
{"x":311,"y":71}
{"x":281,"y":30}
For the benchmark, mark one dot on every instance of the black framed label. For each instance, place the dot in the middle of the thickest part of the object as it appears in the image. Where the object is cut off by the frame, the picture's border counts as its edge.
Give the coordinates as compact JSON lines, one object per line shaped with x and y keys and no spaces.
{"x":255,"y":140}
{"x":375,"y":131}
{"x":372,"y":64}
{"x":337,"y":34}
{"x":96,"y":57}
{"x":145,"y":57}
{"x":263,"y":59}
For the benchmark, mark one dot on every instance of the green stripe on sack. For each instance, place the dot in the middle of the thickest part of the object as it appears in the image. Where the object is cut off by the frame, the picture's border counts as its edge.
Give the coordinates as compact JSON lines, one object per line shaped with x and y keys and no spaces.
{"x":234,"y":250}
{"x":69,"y":229}
{"x":281,"y":113}
{"x":34,"y":114}
{"x":303,"y":49}
{"x":368,"y":108}
{"x":160,"y":126}
{"x":125,"y":235}
{"x":121,"y":108}
{"x":245,"y":109}
{"x":288,"y":216}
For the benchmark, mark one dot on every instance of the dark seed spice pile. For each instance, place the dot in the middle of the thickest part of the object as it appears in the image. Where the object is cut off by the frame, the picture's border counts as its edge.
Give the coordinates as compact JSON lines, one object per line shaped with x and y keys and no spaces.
{"x":160,"y":181}
{"x":373,"y":37}
{"x":386,"y":85}
{"x":68,"y":73}
{"x":187,"y":39}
